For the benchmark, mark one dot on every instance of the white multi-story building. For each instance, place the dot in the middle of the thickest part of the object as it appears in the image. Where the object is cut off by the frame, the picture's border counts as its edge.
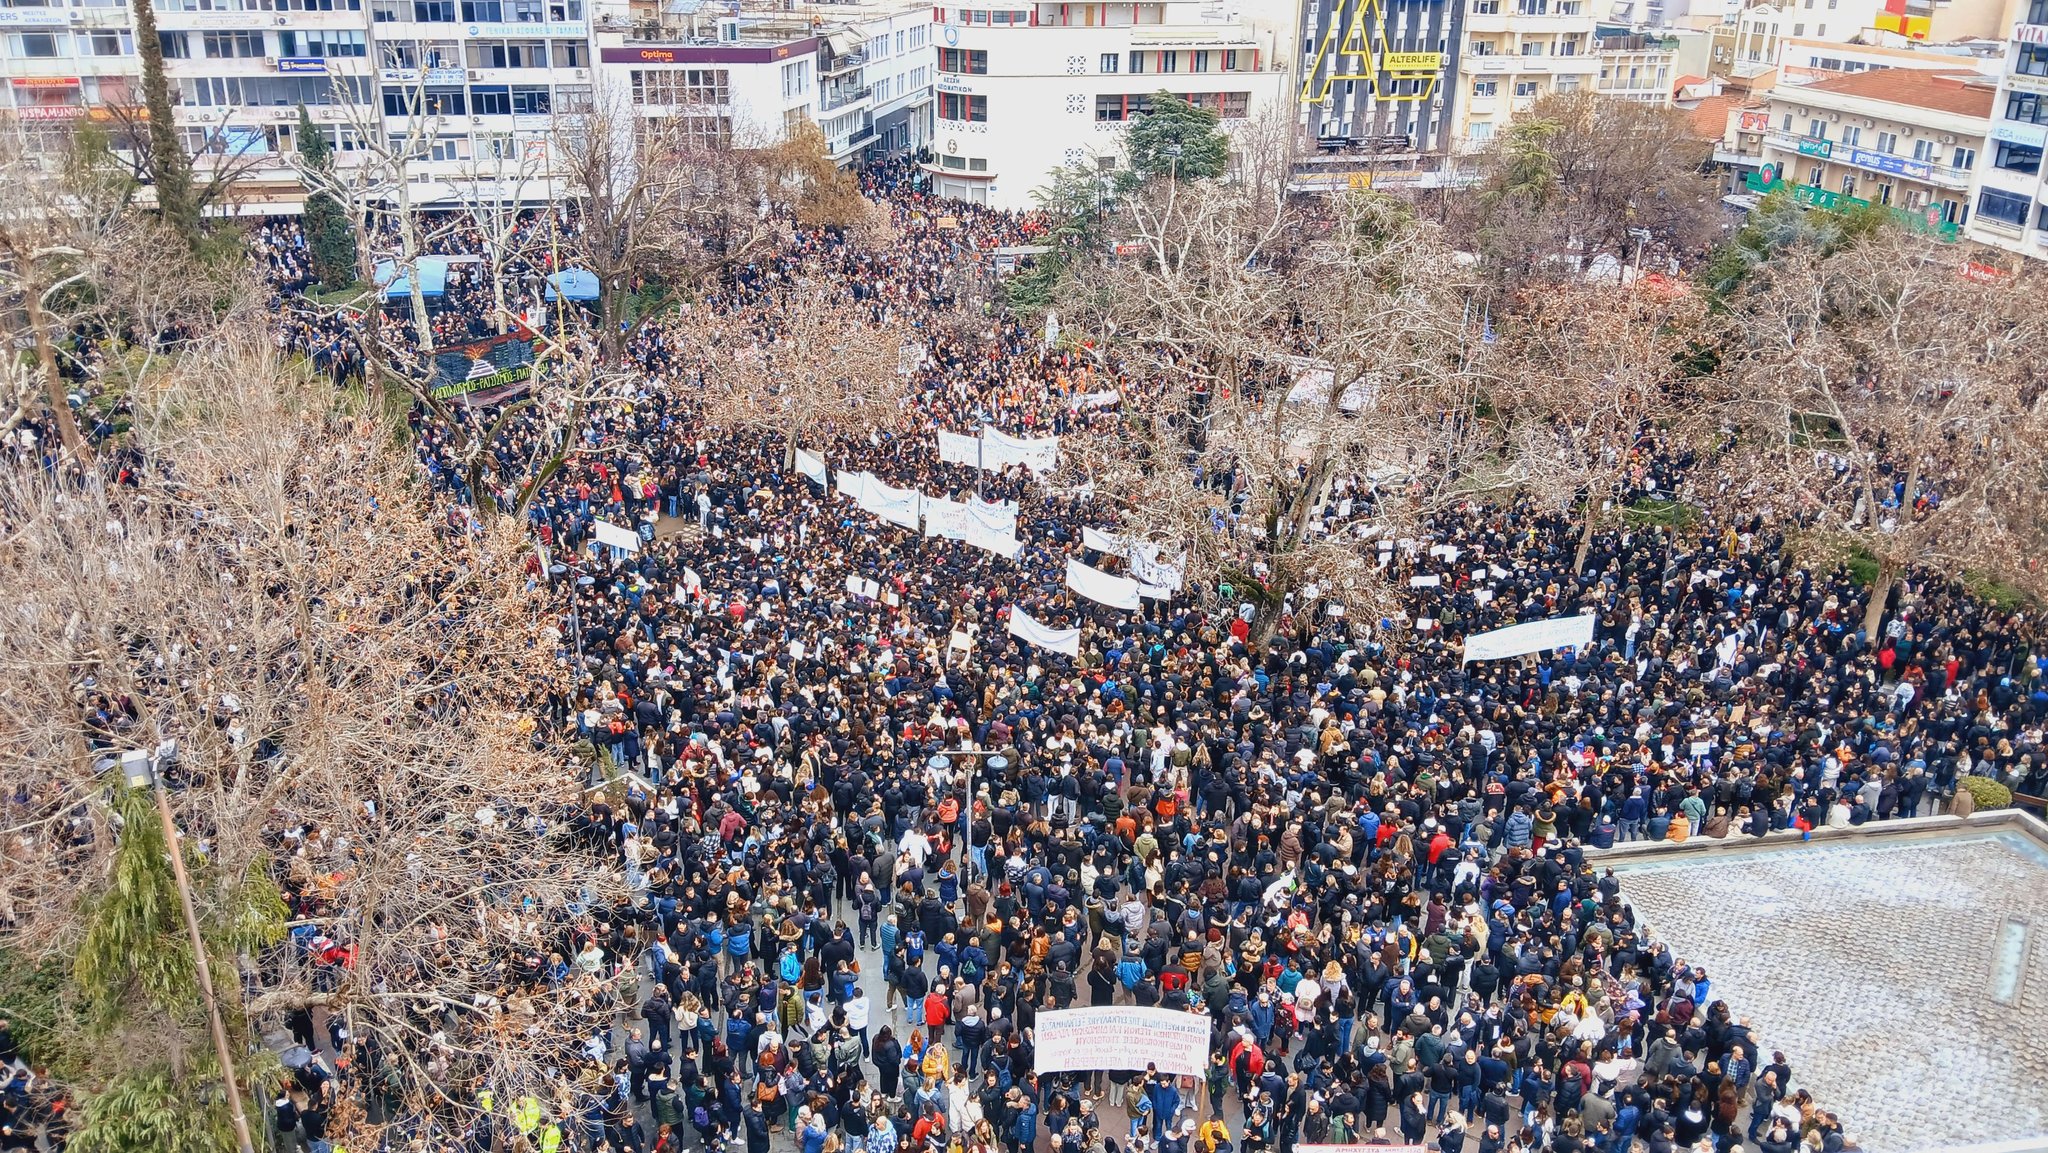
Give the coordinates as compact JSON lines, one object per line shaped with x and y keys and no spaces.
{"x":862,"y":72}
{"x":1025,"y":89}
{"x":1636,"y":67}
{"x":2008,"y":193}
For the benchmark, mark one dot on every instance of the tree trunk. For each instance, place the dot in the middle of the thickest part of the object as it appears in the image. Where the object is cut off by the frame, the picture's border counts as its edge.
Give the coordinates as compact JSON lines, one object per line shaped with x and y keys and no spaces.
{"x":1590,"y":519}
{"x":170,"y":170}
{"x":53,"y":381}
{"x":1880,"y":592}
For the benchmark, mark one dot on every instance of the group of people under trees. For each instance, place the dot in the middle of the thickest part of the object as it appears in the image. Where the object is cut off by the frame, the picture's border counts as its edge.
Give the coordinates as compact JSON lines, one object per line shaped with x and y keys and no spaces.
{"x":1372,"y":869}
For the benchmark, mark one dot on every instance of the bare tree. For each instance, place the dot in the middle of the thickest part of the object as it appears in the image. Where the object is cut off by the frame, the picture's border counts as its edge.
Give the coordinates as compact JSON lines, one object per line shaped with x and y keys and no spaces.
{"x":501,"y":187}
{"x":814,"y":363}
{"x":1590,"y":370}
{"x":1305,"y":382}
{"x":1887,"y":404}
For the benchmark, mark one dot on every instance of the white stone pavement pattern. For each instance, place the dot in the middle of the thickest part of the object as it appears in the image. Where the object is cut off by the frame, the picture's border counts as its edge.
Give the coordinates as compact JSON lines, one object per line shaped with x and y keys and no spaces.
{"x":1905,"y":981}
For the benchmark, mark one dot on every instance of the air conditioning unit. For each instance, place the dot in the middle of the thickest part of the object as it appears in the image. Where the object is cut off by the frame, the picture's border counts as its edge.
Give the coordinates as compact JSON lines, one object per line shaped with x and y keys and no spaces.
{"x":283,"y":20}
{"x":475,"y":75}
{"x":270,"y":62}
{"x":583,"y":74}
{"x":1948,"y":140}
{"x":1869,"y":123}
{"x":476,"y":120}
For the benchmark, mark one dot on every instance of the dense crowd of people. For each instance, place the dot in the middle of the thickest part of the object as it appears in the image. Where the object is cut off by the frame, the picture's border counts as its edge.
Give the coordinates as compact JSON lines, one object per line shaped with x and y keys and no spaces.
{"x":1365,"y":864}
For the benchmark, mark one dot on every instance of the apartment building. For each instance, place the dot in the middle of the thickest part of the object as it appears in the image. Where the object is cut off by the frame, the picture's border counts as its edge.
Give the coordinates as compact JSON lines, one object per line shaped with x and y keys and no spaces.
{"x":1027,"y":89}
{"x":2011,"y":204}
{"x":1903,"y":138}
{"x":1516,"y":53}
{"x":1635,"y":66}
{"x":861,"y":72}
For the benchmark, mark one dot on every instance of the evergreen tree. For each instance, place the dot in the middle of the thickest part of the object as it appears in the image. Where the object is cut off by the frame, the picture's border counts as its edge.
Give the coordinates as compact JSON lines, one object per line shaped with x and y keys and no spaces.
{"x":170,"y":170}
{"x":1177,"y":139}
{"x":330,"y":241}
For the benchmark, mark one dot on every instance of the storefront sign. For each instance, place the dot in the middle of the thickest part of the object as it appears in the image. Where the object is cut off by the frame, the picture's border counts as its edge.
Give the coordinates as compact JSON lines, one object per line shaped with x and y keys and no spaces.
{"x":2030,"y":33}
{"x":1755,"y":122}
{"x":302,"y":65}
{"x":2016,"y":132}
{"x":1896,"y":165}
{"x":46,"y":82}
{"x":1814,"y":146}
{"x":1412,"y":61}
{"x":526,"y":30}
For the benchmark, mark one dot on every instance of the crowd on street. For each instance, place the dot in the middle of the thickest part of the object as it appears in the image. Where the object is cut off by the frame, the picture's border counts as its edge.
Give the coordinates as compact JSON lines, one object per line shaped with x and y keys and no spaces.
{"x":1372,"y":870}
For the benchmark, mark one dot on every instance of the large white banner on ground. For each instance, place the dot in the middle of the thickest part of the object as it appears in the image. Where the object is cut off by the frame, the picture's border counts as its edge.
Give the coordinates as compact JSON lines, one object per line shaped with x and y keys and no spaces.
{"x":1000,"y":450}
{"x":813,"y":467}
{"x":898,"y":506}
{"x":1096,"y":585}
{"x":1123,"y":1037}
{"x":946,"y":518}
{"x":957,"y":449}
{"x":1026,"y":627}
{"x":1530,"y":637}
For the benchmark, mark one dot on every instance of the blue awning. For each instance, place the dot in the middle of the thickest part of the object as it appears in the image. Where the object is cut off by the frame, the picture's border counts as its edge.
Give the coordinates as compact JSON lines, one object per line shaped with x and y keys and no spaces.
{"x":574,"y":283}
{"x":433,"y":272}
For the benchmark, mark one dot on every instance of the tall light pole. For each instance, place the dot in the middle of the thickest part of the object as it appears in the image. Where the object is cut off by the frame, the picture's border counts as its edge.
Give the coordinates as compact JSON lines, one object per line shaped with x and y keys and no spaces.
{"x":140,"y":772}
{"x":997,"y":762}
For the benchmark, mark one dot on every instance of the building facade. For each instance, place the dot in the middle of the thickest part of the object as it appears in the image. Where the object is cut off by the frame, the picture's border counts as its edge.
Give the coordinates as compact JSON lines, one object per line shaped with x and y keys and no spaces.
{"x":1636,"y":67}
{"x":1516,"y":53}
{"x":2011,"y":204}
{"x":1024,"y":90}
{"x":1901,"y":138}
{"x":1383,"y":73}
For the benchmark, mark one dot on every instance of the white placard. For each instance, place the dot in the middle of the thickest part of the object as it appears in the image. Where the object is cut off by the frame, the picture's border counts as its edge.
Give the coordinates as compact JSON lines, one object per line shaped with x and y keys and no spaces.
{"x":1025,"y":627}
{"x":1123,"y":1037}
{"x":1530,"y":637}
{"x":957,"y":449}
{"x":813,"y":467}
{"x":946,"y":518}
{"x":1425,"y":582}
{"x":1106,"y":543}
{"x":616,"y":536}
{"x":1002,"y":544}
{"x":898,"y":506}
{"x":852,"y":485}
{"x":998,"y":517}
{"x":1099,"y":586}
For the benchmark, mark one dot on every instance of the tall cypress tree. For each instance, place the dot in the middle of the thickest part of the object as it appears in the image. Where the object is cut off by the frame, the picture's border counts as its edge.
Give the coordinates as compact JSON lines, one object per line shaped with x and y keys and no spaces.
{"x":170,"y":170}
{"x":329,"y":240}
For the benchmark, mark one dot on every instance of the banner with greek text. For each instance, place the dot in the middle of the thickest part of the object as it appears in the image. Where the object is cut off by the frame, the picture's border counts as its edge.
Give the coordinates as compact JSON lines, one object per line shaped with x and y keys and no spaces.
{"x":1123,"y":1037}
{"x":898,"y":506}
{"x":946,"y":518}
{"x":1530,"y":637}
{"x":1000,"y":450}
{"x":999,"y":517}
{"x":813,"y":467}
{"x":957,"y":449}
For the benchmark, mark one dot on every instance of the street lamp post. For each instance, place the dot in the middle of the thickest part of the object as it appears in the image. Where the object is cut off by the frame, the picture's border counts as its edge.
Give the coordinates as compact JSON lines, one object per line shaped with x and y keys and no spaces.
{"x":997,"y":762}
{"x":140,"y":772}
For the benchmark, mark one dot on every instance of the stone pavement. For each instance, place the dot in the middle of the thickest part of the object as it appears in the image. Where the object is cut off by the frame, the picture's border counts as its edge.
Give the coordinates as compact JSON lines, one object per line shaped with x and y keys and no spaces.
{"x":1906,"y":980}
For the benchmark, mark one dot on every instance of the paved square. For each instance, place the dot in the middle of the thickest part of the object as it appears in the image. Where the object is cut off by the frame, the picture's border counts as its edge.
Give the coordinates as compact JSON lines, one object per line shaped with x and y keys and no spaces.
{"x":1906,"y":980}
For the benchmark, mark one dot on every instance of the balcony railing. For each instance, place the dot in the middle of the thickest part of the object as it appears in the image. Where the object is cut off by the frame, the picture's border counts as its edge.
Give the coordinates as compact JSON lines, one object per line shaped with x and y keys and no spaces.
{"x":841,"y":97}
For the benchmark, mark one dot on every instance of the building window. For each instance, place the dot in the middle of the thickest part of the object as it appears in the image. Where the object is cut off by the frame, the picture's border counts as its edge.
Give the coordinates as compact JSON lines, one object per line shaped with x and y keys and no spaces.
{"x":570,"y":54}
{"x":1963,"y":159}
{"x":111,"y":43}
{"x":1851,"y":135}
{"x":960,"y":106}
{"x":681,"y":87}
{"x":1525,"y":88}
{"x":1485,"y":87}
{"x":175,"y":45}
{"x":1923,"y":151}
{"x":796,"y":79}
{"x":483,"y":11}
{"x":490,"y":100}
{"x":38,"y":45}
{"x":1110,"y":62}
{"x":1888,"y":142}
{"x":2026,"y":108}
{"x":2032,"y":60}
{"x":232,"y":45}
{"x":434,"y":11}
{"x":530,"y":100}
{"x":2017,"y":158}
{"x":2004,"y":207}
{"x":963,"y":61}
{"x":1485,"y":7}
{"x":1137,"y":63}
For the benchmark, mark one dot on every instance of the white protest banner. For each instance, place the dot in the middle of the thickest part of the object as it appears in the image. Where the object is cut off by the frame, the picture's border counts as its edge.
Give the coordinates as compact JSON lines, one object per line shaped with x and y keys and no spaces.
{"x":998,"y":517}
{"x":1530,"y":637}
{"x":1095,"y":400}
{"x":1148,"y":566}
{"x":1106,"y":543}
{"x":1123,"y":1037}
{"x":1025,"y":627}
{"x":1000,"y":543}
{"x":813,"y":467}
{"x":1305,"y":1148}
{"x":616,"y":536}
{"x":1000,"y":450}
{"x":852,"y":485}
{"x":1425,"y":582}
{"x":957,"y":449}
{"x":898,"y":506}
{"x":946,"y":518}
{"x":1154,"y":592}
{"x":1099,"y":586}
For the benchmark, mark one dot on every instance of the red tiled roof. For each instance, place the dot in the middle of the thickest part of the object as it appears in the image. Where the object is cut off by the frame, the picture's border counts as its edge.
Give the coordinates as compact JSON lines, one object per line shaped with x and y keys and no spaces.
{"x":1911,"y":87}
{"x":1710,"y":116}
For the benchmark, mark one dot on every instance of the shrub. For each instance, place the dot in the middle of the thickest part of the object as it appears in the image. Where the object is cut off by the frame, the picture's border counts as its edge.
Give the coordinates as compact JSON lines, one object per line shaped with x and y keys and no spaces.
{"x":1988,"y":794}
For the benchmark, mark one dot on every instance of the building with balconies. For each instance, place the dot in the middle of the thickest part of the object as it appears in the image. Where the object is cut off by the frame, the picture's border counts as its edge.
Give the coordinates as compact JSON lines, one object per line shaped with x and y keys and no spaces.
{"x":1383,"y":75}
{"x":1027,"y":89}
{"x":1902,"y":138}
{"x":1636,"y":67}
{"x":861,"y":72}
{"x":1516,"y":53}
{"x":2011,"y":202}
